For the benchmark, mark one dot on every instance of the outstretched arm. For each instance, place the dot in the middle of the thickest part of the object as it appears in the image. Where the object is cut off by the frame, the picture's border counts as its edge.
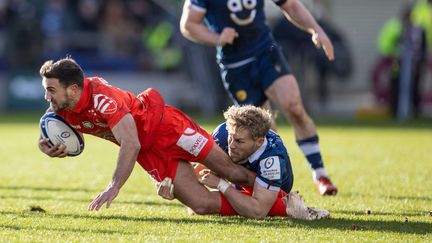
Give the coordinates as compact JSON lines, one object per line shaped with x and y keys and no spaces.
{"x":193,"y":28}
{"x":126,"y":134}
{"x":220,"y":163}
{"x":296,"y":12}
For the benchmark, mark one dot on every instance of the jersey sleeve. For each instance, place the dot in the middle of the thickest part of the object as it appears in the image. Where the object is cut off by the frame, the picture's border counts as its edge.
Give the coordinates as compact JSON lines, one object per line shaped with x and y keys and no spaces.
{"x":271,"y":172}
{"x":220,"y":135}
{"x":199,"y":5}
{"x":109,"y":102}
{"x":279,"y":2}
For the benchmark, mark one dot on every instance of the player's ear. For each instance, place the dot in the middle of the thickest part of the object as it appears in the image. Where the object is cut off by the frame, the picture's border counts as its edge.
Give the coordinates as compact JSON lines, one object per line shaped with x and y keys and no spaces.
{"x":260,"y":141}
{"x":74,"y":87}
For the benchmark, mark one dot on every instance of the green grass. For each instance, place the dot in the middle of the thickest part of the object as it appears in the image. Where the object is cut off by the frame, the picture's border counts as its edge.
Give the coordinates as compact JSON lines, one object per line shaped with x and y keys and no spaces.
{"x":383,"y":171}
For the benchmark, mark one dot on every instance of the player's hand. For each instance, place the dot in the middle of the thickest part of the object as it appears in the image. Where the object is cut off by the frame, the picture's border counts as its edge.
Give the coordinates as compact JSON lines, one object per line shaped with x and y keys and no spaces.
{"x":104,"y":197}
{"x":227,"y":36}
{"x":209,"y":179}
{"x":165,"y":189}
{"x":321,"y":40}
{"x":59,"y":150}
{"x":198,"y":168}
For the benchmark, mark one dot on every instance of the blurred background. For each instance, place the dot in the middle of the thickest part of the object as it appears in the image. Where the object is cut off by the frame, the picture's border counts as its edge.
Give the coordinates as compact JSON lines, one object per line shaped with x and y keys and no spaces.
{"x":136,"y":44}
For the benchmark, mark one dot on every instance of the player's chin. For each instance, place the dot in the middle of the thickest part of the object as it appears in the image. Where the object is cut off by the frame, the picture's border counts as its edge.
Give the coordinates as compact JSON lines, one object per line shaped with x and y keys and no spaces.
{"x":234,"y":158}
{"x":55,"y":107}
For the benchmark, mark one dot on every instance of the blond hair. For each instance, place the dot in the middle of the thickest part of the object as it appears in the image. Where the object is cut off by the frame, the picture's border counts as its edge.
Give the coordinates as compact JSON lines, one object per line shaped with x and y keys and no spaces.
{"x":254,"y":119}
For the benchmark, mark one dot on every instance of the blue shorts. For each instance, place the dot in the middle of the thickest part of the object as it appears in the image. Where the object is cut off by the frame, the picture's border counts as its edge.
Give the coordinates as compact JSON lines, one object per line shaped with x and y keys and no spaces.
{"x":246,"y":81}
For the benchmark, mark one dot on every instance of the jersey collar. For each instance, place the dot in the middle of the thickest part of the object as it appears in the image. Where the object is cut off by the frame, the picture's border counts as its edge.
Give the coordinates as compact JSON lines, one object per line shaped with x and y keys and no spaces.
{"x":258,"y":152}
{"x":84,"y":99}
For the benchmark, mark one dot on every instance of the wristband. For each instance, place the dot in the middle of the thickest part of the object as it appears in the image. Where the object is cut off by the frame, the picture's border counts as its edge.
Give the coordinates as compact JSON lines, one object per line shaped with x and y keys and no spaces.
{"x":223,"y":186}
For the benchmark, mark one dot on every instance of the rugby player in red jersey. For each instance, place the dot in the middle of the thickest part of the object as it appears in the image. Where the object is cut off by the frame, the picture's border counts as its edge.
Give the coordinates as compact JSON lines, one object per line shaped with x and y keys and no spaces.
{"x":160,"y":137}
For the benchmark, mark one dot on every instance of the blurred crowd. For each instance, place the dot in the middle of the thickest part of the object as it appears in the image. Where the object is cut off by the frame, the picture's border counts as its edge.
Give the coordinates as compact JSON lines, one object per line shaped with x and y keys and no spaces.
{"x":100,"y":34}
{"x":405,"y":48}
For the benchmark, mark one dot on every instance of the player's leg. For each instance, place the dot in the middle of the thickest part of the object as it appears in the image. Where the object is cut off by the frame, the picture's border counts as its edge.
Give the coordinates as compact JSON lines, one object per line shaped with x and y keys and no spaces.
{"x":267,"y":106}
{"x":192,"y":143}
{"x":219,"y":162}
{"x":285,"y":93}
{"x":193,"y":194}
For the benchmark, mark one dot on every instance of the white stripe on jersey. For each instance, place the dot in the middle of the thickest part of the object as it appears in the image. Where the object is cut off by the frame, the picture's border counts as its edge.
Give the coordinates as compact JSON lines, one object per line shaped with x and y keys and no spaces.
{"x":105,"y":107}
{"x":96,"y":100}
{"x":239,"y":63}
{"x":266,"y":185}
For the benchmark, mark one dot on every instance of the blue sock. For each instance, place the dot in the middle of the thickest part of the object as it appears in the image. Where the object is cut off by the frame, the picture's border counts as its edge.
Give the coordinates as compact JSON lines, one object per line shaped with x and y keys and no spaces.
{"x":311,"y":150}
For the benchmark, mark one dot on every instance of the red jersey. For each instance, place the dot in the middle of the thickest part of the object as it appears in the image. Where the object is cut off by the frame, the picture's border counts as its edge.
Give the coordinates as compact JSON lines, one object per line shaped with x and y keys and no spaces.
{"x":101,"y":106}
{"x":166,"y":134}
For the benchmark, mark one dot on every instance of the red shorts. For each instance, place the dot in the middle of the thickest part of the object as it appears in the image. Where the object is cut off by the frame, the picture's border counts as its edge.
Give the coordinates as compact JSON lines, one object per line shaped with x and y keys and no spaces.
{"x":178,"y":138}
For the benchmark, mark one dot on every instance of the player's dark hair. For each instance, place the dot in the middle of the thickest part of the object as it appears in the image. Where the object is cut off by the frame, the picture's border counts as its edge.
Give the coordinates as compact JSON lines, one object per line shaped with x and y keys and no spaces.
{"x":66,"y":70}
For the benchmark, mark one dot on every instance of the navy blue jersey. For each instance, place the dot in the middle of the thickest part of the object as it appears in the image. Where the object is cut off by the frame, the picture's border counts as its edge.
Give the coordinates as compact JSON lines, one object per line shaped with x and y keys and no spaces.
{"x":270,"y":162}
{"x":247,"y":17}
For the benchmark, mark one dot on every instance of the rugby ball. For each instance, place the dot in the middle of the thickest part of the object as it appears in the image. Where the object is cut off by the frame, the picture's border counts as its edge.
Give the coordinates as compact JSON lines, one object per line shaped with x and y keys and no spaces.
{"x":57,"y":130}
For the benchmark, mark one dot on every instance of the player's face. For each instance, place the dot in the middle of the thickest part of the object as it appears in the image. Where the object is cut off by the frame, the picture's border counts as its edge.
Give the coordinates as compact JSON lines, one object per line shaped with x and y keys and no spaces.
{"x":241,"y":145}
{"x":57,"y":95}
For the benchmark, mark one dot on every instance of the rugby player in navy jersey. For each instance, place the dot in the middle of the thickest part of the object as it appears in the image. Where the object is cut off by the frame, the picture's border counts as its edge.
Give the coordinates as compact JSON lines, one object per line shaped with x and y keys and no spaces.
{"x":246,"y":137}
{"x":252,"y":66}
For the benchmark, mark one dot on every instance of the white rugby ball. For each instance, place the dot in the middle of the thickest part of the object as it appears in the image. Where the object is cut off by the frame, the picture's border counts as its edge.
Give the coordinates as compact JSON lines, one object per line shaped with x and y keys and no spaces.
{"x":57,"y":130}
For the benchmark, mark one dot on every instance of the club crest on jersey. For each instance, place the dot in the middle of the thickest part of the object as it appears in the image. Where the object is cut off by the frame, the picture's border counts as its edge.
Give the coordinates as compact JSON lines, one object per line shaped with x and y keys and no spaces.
{"x":192,"y":141}
{"x":241,"y":95}
{"x":270,"y":168}
{"x":104,"y":104}
{"x":239,"y":8}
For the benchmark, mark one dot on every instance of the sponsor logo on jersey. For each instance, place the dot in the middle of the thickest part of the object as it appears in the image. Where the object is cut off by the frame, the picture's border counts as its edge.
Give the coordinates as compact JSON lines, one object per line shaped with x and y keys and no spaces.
{"x":237,"y":6}
{"x":192,"y":141}
{"x":87,"y":124}
{"x":270,"y":168}
{"x":104,"y":104}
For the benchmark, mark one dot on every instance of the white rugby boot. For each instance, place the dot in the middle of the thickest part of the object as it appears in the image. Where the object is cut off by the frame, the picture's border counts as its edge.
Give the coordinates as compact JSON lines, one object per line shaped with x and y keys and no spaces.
{"x":296,"y":208}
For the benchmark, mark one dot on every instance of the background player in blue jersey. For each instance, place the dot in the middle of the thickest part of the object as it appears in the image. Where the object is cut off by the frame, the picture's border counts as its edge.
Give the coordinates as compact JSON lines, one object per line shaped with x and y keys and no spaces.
{"x":252,"y":65}
{"x":247,"y":138}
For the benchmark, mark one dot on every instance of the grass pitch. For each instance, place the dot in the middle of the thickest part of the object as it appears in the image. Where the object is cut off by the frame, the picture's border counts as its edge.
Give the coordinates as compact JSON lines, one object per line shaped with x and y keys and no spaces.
{"x":383,"y":171}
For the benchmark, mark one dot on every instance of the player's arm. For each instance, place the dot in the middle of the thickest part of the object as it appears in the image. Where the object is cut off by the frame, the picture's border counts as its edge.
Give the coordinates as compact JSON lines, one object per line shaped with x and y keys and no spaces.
{"x":126,"y":134}
{"x":56,"y":151}
{"x":256,"y":206}
{"x":193,"y":28}
{"x":296,"y":12}
{"x":220,"y":163}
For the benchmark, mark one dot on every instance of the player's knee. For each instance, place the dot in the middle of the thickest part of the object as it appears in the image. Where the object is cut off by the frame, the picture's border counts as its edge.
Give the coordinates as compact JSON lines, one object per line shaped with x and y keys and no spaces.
{"x":202,"y":209}
{"x":293,"y":109}
{"x":258,"y":213}
{"x":205,"y":205}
